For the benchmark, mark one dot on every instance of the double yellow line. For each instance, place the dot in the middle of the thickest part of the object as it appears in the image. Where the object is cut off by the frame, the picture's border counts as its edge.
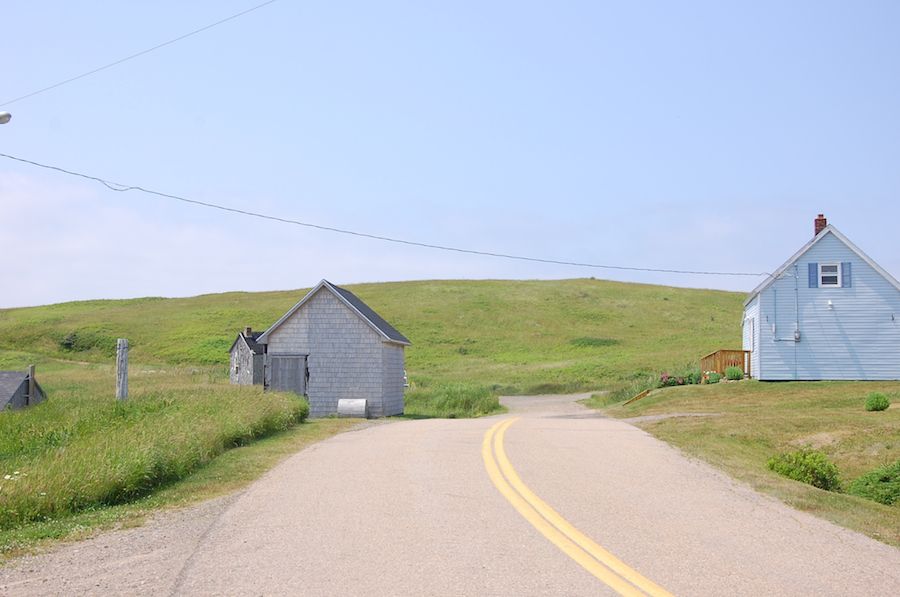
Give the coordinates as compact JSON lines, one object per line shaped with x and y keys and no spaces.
{"x":577,"y":546}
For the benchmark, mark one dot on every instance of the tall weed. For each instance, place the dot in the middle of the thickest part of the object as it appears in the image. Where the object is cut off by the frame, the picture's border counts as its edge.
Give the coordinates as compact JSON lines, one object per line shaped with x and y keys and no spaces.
{"x":75,"y":451}
{"x":452,"y":400}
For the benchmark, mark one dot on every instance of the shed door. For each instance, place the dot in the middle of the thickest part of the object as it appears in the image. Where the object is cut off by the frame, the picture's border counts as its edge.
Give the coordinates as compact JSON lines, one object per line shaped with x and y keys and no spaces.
{"x":288,"y":373}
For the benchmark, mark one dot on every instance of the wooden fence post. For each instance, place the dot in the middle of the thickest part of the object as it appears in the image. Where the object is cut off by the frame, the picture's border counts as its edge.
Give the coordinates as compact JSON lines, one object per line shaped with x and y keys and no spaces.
{"x":122,"y":369}
{"x":30,"y":397}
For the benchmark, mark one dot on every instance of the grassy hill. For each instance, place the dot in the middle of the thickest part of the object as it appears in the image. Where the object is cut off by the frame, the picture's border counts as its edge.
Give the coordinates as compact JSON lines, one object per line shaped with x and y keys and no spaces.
{"x":524,"y":336}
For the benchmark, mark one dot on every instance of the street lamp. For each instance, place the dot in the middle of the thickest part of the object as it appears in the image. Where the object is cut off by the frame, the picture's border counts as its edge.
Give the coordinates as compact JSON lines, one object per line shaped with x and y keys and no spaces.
{"x":4,"y":117}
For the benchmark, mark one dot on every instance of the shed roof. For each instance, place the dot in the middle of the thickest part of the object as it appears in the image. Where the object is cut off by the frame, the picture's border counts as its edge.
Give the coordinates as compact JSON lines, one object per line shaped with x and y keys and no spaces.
{"x":10,"y":381}
{"x":251,"y":340}
{"x":826,"y":231}
{"x":375,"y":321}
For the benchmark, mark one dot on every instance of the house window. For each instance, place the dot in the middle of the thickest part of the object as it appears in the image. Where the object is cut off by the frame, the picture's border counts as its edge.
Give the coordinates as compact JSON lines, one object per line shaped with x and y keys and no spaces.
{"x":830,"y":274}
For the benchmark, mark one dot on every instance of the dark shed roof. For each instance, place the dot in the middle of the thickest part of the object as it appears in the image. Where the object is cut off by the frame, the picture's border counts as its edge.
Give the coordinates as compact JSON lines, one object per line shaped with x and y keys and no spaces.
{"x":12,"y":392}
{"x":251,"y":341}
{"x":367,"y":312}
{"x":255,"y":347}
{"x":10,"y":381}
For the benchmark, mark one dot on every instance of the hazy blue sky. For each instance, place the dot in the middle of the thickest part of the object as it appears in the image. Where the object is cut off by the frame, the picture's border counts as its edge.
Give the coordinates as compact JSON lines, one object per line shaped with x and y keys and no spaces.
{"x":673,"y":135}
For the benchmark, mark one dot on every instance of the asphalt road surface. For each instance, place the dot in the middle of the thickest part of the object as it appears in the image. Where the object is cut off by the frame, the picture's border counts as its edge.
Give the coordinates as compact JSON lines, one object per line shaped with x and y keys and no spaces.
{"x":409,"y":508}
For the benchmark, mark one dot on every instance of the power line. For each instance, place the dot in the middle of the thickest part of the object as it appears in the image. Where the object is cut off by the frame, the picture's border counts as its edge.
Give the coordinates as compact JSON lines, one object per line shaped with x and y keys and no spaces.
{"x":97,"y":70}
{"x":115,"y":186}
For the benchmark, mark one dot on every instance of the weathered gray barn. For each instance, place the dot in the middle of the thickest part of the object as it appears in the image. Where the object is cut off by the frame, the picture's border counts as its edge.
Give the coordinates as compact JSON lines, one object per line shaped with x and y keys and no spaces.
{"x":17,"y":391}
{"x":330,"y":346}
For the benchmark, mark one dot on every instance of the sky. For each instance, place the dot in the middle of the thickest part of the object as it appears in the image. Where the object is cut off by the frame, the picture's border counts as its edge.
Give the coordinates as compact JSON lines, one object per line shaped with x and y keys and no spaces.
{"x":686,"y":136}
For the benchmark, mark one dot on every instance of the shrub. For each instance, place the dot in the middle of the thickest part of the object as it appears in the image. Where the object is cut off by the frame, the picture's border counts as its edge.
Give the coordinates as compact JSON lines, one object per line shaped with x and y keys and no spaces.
{"x":877,"y":401}
{"x":881,"y":485}
{"x":713,"y":377}
{"x":734,"y":373}
{"x":666,"y":380}
{"x":808,"y":466}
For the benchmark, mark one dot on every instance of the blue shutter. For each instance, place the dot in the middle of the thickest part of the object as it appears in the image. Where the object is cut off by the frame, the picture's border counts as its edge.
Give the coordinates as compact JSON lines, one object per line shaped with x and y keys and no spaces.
{"x":813,"y":275}
{"x":845,"y":275}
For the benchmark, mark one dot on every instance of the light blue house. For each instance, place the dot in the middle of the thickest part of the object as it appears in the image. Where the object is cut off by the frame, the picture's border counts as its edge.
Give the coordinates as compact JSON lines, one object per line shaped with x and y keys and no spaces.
{"x":830,"y":312}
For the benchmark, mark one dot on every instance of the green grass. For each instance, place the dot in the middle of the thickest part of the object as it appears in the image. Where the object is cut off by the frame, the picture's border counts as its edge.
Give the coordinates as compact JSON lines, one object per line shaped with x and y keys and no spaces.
{"x":750,"y":422}
{"x":230,"y":472}
{"x":81,"y":448}
{"x":452,"y":401}
{"x":522,"y":336}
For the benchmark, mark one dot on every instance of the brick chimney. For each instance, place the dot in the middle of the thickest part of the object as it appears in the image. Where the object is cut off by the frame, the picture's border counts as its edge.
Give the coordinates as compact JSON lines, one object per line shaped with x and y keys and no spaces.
{"x":821,"y":222}
{"x":247,"y":331}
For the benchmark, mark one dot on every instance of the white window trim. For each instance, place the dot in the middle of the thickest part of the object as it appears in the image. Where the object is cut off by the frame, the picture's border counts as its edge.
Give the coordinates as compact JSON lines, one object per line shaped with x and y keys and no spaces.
{"x":822,"y":275}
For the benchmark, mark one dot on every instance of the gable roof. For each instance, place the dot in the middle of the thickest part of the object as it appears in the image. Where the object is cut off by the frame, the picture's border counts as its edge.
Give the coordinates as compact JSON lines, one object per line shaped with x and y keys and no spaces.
{"x":251,"y":341}
{"x":375,"y":321}
{"x":826,"y":231}
{"x":10,"y":381}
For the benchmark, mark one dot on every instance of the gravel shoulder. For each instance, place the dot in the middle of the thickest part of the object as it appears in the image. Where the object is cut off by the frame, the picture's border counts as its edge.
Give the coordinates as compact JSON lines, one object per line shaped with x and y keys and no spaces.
{"x":145,"y":560}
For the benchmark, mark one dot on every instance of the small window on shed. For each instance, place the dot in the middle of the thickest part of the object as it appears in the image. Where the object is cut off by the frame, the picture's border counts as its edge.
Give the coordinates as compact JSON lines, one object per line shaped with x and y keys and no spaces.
{"x":829,"y":274}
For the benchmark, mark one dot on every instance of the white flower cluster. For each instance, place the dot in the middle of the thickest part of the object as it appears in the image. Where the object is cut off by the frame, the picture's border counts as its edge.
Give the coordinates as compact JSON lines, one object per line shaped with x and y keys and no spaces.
{"x":15,"y":476}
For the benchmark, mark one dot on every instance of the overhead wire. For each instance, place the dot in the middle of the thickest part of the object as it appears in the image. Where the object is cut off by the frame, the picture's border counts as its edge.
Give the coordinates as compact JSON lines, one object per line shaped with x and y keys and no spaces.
{"x":115,"y":186}
{"x":172,"y":41}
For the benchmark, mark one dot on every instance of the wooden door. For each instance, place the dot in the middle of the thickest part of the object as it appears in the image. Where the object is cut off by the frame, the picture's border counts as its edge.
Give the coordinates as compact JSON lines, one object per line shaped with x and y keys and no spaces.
{"x":287,"y":373}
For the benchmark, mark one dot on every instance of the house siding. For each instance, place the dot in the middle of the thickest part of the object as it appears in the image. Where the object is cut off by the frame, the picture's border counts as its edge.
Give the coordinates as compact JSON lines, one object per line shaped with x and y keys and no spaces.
{"x":857,"y":338}
{"x":751,"y":336}
{"x":345,"y":355}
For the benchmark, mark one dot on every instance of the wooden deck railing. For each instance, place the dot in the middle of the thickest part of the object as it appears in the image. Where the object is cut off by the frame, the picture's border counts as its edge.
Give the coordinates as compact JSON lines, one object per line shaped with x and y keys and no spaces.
{"x":719,"y":360}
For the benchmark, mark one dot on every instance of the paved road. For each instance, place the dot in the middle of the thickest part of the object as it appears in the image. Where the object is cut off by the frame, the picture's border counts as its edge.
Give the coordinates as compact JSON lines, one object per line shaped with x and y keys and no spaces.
{"x":408,"y":509}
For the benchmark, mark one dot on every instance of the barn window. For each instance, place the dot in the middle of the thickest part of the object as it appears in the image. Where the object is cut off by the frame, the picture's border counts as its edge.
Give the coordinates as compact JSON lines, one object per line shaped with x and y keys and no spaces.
{"x":829,"y":274}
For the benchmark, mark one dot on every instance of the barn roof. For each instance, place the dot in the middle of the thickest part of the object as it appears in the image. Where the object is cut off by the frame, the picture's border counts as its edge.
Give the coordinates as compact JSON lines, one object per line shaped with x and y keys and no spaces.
{"x":375,"y":321}
{"x":825,"y":232}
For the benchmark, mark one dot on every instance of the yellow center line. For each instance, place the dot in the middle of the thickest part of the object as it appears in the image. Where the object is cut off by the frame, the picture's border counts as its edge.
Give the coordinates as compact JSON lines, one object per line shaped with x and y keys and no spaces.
{"x":570,"y":540}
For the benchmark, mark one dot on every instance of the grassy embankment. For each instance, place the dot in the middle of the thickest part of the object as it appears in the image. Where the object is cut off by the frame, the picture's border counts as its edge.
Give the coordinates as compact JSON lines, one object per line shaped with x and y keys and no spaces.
{"x":81,"y":461}
{"x":751,"y":421}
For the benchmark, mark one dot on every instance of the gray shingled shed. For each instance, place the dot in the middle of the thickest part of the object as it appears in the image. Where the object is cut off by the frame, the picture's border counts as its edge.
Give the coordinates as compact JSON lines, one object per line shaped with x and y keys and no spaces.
{"x":247,"y":359}
{"x":14,"y":390}
{"x":331,"y":346}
